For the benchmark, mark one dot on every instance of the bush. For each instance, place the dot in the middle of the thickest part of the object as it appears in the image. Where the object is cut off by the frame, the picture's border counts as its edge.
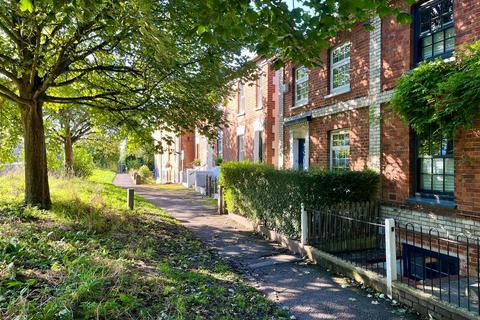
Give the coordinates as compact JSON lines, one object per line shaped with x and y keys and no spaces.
{"x":82,"y":163}
{"x":134,"y":163}
{"x":218,"y":161}
{"x":262,"y":193}
{"x":145,"y":173}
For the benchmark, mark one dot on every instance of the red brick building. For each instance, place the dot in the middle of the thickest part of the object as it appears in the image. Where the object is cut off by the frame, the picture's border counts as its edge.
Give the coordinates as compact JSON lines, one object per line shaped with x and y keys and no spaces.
{"x":337,"y":116}
{"x":252,"y":118}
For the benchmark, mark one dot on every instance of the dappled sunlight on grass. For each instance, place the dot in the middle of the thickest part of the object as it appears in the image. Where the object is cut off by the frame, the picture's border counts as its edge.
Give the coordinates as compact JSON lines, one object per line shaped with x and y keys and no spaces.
{"x":92,"y":257}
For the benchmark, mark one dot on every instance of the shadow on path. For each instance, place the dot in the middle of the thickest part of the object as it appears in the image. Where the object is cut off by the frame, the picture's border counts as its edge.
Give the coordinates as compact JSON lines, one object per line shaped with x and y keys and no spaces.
{"x":308,"y":291}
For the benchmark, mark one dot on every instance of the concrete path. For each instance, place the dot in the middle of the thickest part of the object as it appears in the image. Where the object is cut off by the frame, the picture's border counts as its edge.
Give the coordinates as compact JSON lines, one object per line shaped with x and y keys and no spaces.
{"x":306,"y":290}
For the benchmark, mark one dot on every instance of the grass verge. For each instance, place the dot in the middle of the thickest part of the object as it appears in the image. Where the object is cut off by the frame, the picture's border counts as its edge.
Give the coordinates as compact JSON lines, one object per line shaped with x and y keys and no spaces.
{"x":91,"y":258}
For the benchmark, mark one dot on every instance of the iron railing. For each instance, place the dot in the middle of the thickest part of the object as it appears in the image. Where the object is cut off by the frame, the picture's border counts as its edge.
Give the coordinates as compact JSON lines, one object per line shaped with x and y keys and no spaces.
{"x":351,"y":231}
{"x":439,"y":263}
{"x":445,"y":265}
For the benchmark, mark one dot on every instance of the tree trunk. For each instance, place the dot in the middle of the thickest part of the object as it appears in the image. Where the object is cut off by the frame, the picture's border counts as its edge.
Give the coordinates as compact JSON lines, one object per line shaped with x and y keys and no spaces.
{"x":68,"y":153}
{"x":37,"y":192}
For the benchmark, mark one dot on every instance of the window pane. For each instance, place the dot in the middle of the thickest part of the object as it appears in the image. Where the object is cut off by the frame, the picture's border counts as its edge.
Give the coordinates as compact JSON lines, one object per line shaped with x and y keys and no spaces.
{"x":437,"y":183}
{"x":301,"y":91}
{"x":426,"y":166}
{"x":426,"y":182}
{"x":427,"y":52}
{"x":427,"y":41}
{"x":450,"y":44}
{"x":438,"y":166}
{"x":449,"y":184}
{"x":449,"y":33}
{"x":301,"y":73}
{"x":438,"y":45}
{"x":341,"y":76}
{"x":449,"y":166}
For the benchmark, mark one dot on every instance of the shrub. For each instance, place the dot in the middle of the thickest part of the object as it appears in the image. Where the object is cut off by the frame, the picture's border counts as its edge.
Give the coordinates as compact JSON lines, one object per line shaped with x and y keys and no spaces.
{"x":218,"y":161}
{"x":134,"y":163}
{"x":262,"y":193}
{"x":82,"y":163}
{"x":196,"y":163}
{"x":145,"y":173}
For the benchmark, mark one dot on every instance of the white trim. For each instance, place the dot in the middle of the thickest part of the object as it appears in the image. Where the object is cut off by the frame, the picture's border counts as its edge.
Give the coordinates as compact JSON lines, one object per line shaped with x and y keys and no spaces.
{"x":258,"y":125}
{"x":338,"y":148}
{"x":241,"y":99}
{"x":300,"y":131}
{"x":339,"y":64}
{"x":243,"y":147}
{"x":260,"y":92}
{"x":300,"y":81}
{"x":240,"y":130}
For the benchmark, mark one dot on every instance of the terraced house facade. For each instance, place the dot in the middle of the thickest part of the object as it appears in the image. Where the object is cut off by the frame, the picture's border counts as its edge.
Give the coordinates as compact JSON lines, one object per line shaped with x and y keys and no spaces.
{"x":337,"y":116}
{"x":252,"y":114}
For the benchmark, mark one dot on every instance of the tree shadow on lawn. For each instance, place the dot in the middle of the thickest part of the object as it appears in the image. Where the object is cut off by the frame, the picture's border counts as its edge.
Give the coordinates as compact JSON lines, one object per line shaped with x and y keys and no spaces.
{"x":86,"y":261}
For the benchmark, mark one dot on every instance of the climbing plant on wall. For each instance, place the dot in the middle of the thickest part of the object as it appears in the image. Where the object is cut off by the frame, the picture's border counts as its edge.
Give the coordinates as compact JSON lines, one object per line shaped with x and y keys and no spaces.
{"x":441,"y":94}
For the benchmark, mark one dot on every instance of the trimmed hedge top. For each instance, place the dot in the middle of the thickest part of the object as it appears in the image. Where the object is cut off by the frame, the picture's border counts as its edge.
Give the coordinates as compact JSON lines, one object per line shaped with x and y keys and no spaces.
{"x":274,"y":197}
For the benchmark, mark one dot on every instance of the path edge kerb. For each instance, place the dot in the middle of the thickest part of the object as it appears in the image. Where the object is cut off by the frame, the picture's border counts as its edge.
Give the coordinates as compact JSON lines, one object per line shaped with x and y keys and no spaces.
{"x":421,"y":302}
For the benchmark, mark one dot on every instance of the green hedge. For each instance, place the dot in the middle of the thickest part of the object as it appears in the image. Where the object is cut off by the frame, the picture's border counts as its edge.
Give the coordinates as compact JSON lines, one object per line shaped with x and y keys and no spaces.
{"x":260,"y":192}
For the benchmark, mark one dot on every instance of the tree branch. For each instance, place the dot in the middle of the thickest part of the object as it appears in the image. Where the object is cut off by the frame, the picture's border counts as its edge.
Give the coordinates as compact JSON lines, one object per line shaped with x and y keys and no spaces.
{"x":79,"y":99}
{"x":7,"y":93}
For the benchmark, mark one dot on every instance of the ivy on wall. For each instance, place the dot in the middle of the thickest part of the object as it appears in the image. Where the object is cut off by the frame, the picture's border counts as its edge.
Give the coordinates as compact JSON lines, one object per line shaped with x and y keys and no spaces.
{"x":441,"y":94}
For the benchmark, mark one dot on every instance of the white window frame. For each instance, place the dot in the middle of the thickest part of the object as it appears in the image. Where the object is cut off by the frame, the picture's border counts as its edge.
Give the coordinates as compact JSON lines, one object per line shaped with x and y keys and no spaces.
{"x":241,"y":98}
{"x":301,"y":132}
{"x":339,"y":64}
{"x":298,"y":82}
{"x":339,"y":148}
{"x":260,"y":92}
{"x":258,"y":145}
{"x":241,"y":151}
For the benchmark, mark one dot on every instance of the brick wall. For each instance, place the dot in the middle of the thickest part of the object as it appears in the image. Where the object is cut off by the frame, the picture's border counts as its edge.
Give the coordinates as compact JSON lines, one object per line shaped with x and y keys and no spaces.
{"x":252,"y":118}
{"x":397,"y":167}
{"x":467,"y":171}
{"x":357,"y":123}
{"x":319,"y":78}
{"x":395,"y":160}
{"x":398,"y":39}
{"x":188,"y":147}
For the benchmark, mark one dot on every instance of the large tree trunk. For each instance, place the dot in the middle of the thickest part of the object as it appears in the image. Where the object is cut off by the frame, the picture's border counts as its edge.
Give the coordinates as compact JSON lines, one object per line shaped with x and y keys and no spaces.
{"x":37,"y":192}
{"x":68,"y":153}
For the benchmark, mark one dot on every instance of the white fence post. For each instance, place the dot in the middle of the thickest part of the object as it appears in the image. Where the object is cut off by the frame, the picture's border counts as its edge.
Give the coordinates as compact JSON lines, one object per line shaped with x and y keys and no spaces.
{"x":304,"y":225}
{"x":391,"y":254}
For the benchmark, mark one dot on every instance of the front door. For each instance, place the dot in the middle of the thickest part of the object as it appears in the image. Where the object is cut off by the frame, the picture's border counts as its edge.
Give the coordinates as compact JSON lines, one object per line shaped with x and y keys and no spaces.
{"x":301,"y":154}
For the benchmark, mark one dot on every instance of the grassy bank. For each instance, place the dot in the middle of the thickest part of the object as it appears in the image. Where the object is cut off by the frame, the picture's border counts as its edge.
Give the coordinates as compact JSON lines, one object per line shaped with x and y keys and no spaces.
{"x":90,"y":258}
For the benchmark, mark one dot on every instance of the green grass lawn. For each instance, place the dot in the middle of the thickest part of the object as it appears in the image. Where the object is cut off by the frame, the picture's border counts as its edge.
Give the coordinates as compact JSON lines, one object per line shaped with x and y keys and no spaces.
{"x":91,"y":258}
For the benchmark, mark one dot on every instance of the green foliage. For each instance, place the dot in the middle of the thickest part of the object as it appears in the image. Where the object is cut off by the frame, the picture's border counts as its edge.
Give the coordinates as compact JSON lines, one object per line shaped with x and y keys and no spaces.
{"x":82,"y":163}
{"x":265,"y":194}
{"x":90,"y":257}
{"x":145,"y":173}
{"x":134,"y":163}
{"x":443,"y":95}
{"x":218,"y":161}
{"x":104,"y":148}
{"x":196,"y":162}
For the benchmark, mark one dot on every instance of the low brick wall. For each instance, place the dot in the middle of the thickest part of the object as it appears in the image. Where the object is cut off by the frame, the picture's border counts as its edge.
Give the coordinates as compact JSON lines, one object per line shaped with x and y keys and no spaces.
{"x":423,"y":303}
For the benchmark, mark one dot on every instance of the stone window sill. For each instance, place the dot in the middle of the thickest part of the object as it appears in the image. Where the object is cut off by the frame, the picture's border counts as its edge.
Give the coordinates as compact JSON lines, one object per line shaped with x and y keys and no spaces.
{"x":334,"y":94}
{"x":300,"y":104}
{"x":450,"y":204}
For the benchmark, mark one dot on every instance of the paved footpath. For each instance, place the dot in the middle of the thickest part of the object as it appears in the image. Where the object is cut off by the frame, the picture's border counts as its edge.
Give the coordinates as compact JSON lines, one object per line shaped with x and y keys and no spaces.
{"x":306,"y":290}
